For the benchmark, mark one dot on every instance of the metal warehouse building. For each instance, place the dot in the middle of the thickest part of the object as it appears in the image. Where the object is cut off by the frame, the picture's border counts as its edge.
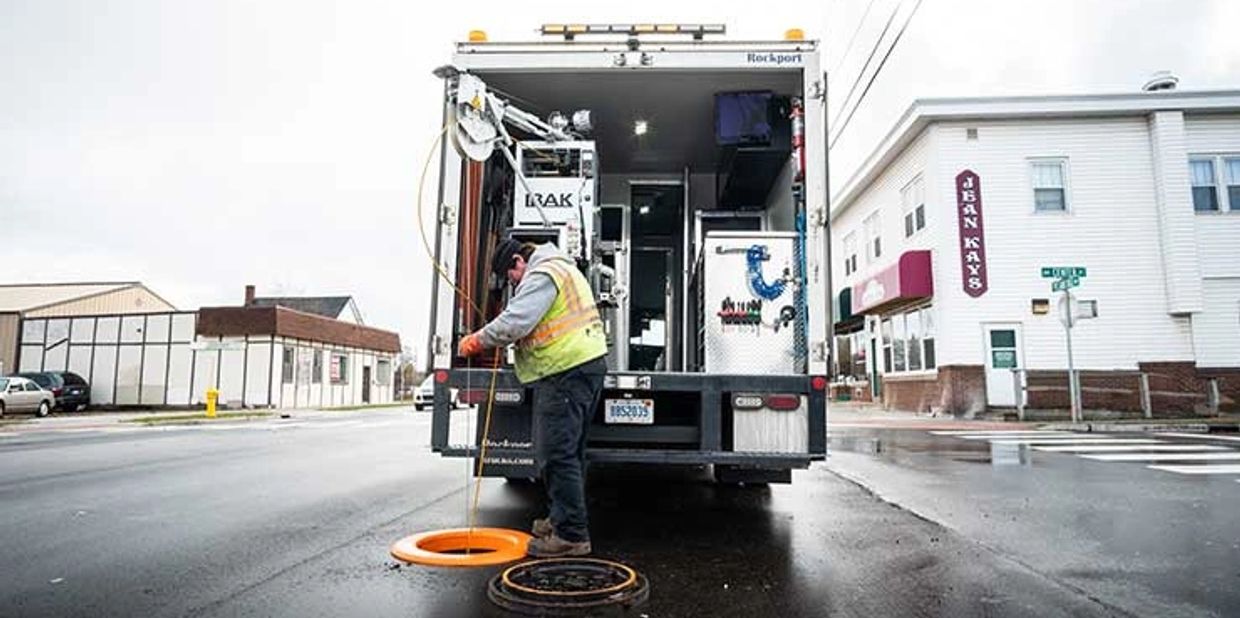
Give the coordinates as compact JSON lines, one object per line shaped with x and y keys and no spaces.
{"x":35,"y":300}
{"x":265,"y":353}
{"x":941,"y":238}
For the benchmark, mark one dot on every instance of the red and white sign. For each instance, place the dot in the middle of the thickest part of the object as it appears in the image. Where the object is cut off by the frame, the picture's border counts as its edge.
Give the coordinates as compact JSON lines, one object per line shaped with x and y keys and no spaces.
{"x":972,"y":233}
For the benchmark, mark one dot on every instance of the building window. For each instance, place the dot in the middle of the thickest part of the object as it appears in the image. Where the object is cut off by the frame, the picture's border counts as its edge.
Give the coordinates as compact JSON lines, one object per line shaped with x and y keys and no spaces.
{"x":1208,"y":175}
{"x":383,"y":372}
{"x":886,"y":339}
{"x":908,"y":341}
{"x":913,"y":196}
{"x":850,"y":351}
{"x":1050,"y":192}
{"x":286,"y":365}
{"x":340,"y":369}
{"x":850,"y":253}
{"x":1233,"y":183}
{"x":1205,"y":191}
{"x":316,"y":372}
{"x":873,"y":239}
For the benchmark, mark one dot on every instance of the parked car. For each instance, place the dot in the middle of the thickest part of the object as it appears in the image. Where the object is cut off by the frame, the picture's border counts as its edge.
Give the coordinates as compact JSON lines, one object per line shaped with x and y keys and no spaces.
{"x":71,"y":390}
{"x":22,"y":395}
{"x":424,"y":394}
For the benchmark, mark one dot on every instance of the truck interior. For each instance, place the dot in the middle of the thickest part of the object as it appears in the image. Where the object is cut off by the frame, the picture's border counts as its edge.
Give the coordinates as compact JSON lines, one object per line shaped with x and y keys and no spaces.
{"x":678,"y":154}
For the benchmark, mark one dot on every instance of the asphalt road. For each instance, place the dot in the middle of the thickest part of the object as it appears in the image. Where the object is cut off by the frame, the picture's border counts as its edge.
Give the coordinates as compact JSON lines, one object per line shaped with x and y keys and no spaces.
{"x":295,"y":517}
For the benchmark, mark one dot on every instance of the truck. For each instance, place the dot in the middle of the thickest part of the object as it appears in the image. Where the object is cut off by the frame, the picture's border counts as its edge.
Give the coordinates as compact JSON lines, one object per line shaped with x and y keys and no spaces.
{"x":687,"y":176}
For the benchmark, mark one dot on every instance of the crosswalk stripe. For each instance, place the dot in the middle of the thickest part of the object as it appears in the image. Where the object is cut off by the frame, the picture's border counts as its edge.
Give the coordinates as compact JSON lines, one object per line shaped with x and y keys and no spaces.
{"x":1163,"y":456}
{"x":982,"y":432}
{"x":1202,"y":436}
{"x":1115,"y":448}
{"x":1219,"y":469}
{"x":1050,"y":436}
{"x":1074,"y":441}
{"x":7,"y":434}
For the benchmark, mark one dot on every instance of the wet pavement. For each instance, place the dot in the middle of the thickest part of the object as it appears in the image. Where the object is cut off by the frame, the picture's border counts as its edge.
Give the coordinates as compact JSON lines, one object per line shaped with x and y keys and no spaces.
{"x":295,"y":519}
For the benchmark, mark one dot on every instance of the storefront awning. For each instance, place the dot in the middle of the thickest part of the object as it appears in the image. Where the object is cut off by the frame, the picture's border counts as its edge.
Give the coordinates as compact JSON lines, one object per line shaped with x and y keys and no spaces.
{"x":845,"y":319}
{"x":908,"y":279}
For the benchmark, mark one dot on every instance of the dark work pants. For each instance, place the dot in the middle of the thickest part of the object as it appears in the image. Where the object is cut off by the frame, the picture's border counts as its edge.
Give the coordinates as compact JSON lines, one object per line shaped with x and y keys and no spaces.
{"x":563,"y":406}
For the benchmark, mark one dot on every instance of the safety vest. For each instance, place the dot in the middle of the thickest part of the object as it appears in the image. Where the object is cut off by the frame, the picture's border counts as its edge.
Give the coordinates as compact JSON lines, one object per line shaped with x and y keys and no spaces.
{"x":569,"y":334}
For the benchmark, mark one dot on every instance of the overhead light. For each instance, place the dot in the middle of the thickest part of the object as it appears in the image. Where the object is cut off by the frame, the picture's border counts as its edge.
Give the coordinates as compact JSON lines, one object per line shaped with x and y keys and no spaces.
{"x":644,"y":210}
{"x":640,"y":127}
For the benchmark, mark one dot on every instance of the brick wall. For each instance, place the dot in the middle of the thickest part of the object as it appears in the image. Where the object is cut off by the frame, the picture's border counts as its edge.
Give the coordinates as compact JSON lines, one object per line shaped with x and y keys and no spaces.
{"x":963,"y":389}
{"x":911,"y":394}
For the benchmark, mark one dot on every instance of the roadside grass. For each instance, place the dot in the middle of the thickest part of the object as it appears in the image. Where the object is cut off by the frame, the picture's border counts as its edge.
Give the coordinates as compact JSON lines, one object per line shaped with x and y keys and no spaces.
{"x":195,"y":418}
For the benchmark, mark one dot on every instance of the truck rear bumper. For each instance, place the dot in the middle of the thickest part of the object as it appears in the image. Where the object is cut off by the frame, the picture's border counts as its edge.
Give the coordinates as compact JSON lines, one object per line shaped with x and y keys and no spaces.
{"x":701,"y":433}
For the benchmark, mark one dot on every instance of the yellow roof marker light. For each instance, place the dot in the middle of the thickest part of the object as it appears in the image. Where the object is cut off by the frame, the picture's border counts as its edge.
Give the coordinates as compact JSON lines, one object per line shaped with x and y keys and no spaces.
{"x":477,"y":36}
{"x":462,"y":547}
{"x":794,"y":34}
{"x":572,"y":31}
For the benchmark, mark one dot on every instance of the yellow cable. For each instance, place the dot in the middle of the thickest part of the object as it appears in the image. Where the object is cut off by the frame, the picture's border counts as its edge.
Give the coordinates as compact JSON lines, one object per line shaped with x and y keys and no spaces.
{"x":443,"y":272}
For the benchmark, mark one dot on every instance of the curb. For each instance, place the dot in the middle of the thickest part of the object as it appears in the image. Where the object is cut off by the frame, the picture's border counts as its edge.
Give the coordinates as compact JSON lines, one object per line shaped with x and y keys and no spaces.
{"x":1110,"y":427}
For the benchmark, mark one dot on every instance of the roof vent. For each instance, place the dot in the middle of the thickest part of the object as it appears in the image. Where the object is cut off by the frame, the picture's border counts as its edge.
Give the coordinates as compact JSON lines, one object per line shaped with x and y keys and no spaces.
{"x":1162,"y":80}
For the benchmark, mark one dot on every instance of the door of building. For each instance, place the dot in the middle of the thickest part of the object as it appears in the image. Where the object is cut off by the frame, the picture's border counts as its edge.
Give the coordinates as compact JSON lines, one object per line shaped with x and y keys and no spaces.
{"x":365,"y":384}
{"x":1003,"y":354}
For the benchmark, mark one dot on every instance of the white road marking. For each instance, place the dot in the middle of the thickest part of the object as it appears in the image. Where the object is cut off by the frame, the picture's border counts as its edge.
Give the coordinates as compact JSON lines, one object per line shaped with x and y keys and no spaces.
{"x":982,"y":432}
{"x":1219,"y":469}
{"x":7,"y":434}
{"x":1072,"y":441}
{"x":1115,"y":448}
{"x":1202,"y":436}
{"x":1164,"y":456}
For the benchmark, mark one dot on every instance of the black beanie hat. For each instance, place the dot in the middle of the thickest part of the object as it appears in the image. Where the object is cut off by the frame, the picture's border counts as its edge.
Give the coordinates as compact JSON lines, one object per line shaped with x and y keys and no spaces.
{"x":501,"y":260}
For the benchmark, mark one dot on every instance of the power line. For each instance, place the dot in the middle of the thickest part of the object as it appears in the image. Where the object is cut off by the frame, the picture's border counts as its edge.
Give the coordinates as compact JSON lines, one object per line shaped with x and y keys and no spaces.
{"x":852,"y":39}
{"x":873,"y":50}
{"x":873,"y":77}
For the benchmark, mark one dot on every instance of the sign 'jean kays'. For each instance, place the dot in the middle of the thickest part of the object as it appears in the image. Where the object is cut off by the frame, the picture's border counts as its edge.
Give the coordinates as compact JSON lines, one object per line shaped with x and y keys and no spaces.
{"x":972,"y":233}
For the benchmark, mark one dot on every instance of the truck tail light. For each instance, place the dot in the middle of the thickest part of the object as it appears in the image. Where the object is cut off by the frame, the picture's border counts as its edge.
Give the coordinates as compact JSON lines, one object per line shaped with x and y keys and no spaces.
{"x":783,"y":402}
{"x":441,"y":376}
{"x":818,"y":383}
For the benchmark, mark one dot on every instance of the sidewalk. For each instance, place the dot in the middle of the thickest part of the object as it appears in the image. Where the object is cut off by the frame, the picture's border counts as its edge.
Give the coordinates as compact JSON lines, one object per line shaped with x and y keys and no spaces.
{"x":101,"y":420}
{"x":851,"y":414}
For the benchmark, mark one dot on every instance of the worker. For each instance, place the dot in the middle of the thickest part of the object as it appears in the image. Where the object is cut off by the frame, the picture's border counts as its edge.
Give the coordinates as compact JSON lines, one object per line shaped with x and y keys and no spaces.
{"x":560,"y":351}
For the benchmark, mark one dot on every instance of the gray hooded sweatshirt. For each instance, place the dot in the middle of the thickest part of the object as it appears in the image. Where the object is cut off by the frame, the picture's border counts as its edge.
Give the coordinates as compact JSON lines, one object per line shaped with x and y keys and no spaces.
{"x":529,"y":303}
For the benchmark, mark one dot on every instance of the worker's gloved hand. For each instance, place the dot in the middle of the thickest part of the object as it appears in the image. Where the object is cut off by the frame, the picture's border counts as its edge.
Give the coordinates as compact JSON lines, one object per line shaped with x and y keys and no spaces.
{"x":469,"y":345}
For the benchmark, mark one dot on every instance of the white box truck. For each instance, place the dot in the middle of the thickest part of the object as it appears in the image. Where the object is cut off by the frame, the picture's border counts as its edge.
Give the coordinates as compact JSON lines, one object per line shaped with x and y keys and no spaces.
{"x":687,"y":175}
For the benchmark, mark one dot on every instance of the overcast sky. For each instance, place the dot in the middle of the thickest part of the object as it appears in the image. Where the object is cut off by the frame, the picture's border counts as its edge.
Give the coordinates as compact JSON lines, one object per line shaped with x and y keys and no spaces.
{"x":199,"y":146}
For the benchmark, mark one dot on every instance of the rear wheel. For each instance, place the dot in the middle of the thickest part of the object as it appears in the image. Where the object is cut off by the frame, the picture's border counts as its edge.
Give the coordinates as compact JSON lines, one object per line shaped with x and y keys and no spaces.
{"x":44,"y":408}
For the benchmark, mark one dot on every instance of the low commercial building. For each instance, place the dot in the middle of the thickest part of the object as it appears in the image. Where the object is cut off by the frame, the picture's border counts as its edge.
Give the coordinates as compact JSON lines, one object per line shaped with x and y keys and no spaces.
{"x":20,"y":301}
{"x":949,"y":240}
{"x":256,"y":356}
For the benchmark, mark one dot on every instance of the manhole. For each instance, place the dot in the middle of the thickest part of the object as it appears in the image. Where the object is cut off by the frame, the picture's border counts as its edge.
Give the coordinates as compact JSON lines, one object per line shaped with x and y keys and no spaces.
{"x":567,"y":586}
{"x":462,"y":547}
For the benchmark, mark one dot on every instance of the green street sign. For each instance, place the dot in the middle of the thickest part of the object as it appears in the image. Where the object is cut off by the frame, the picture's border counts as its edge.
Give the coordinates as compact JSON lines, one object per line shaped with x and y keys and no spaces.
{"x":1063,"y":272}
{"x":1065,"y":284}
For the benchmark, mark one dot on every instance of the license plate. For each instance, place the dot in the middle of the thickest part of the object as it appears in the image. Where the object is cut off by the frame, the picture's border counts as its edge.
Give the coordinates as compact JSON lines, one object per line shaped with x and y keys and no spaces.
{"x":629,"y":411}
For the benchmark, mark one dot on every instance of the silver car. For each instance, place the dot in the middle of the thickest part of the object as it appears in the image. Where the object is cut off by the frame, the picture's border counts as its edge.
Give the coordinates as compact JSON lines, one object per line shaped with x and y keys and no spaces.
{"x":22,"y":395}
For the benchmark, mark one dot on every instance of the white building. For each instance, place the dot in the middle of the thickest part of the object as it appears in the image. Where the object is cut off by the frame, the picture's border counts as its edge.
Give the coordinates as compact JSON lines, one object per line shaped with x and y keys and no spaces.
{"x":255,"y":355}
{"x":940,"y":238}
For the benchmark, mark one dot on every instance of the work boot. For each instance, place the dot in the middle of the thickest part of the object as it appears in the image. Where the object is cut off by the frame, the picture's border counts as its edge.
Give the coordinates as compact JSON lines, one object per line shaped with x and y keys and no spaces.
{"x":542,"y":528}
{"x":555,"y":547}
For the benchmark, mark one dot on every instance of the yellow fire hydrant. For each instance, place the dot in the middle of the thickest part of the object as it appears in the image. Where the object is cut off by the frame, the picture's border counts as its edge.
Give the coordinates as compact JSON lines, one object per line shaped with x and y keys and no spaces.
{"x":213,"y":395}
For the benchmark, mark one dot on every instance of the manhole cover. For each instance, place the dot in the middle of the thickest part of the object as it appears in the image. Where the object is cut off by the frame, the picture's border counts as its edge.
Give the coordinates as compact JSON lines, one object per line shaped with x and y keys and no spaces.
{"x":566,"y":586}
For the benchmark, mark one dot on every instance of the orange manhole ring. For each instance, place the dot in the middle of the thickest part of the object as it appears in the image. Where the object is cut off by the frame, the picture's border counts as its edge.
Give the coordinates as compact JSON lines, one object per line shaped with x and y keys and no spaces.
{"x":462,"y":547}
